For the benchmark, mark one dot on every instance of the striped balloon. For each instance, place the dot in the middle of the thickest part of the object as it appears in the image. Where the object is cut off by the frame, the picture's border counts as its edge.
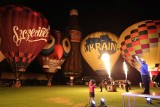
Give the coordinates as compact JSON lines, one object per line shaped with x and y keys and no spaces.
{"x":24,"y":32}
{"x":142,"y":39}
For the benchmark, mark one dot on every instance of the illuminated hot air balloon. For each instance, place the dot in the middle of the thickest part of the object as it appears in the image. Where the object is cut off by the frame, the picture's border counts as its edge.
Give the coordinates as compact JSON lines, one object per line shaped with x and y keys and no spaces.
{"x":95,"y":45}
{"x":2,"y":57}
{"x":53,"y":55}
{"x":142,"y":39}
{"x":24,"y":33}
{"x":73,"y":66}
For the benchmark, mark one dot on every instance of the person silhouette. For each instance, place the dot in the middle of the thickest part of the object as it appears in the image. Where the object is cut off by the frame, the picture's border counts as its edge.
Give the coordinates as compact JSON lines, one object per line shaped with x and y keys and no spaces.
{"x":144,"y":75}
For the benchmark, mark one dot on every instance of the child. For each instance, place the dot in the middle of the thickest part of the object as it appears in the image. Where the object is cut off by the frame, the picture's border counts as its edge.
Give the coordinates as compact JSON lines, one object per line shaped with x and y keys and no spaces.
{"x":92,"y":86}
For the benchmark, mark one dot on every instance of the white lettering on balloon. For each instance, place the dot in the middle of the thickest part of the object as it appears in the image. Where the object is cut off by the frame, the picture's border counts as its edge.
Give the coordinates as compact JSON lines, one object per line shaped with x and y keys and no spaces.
{"x":28,"y":35}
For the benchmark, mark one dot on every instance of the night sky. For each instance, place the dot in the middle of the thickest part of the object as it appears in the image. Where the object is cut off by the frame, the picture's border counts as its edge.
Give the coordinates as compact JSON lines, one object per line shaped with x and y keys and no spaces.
{"x":95,"y":15}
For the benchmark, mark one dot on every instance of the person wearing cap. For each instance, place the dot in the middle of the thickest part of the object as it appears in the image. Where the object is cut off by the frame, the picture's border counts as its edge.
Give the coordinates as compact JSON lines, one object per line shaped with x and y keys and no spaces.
{"x":144,"y":75}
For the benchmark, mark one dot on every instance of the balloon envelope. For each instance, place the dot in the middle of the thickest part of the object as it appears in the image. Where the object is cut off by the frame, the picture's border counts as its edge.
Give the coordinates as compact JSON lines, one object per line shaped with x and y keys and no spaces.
{"x":53,"y":55}
{"x":2,"y":57}
{"x":48,"y":60}
{"x":95,"y":44}
{"x":142,"y":39}
{"x":24,"y":33}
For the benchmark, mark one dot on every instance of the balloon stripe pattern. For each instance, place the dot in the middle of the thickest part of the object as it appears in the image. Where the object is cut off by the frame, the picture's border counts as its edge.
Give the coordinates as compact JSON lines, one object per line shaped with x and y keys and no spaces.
{"x":49,"y":47}
{"x":24,"y":33}
{"x":20,"y":57}
{"x":142,"y":39}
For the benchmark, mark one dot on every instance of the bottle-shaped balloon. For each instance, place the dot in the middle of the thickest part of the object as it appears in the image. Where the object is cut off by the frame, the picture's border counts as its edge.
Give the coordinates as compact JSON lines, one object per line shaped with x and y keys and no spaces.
{"x":142,"y":39}
{"x":73,"y":66}
{"x":95,"y":45}
{"x":24,"y":33}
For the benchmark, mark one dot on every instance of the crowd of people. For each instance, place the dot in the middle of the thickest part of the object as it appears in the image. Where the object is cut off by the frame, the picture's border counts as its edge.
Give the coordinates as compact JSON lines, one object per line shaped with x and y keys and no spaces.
{"x":126,"y":84}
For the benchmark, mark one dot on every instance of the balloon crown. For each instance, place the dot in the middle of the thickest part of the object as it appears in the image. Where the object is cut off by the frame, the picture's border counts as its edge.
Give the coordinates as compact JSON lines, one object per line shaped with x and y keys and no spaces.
{"x":74,"y":12}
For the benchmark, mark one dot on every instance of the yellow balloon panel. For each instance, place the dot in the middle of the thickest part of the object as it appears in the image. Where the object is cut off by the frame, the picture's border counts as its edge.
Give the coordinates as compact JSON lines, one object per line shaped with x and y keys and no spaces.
{"x":142,"y":39}
{"x":95,"y":44}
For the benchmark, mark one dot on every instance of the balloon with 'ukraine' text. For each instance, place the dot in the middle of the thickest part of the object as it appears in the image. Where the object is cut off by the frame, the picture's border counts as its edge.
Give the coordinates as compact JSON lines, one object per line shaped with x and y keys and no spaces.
{"x":95,"y":45}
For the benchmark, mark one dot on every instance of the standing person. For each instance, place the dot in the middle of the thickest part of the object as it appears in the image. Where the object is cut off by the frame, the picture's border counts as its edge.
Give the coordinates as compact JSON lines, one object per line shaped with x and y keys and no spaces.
{"x":92,"y":86}
{"x":100,"y":86}
{"x":126,"y":86}
{"x":144,"y":75}
{"x":105,"y":84}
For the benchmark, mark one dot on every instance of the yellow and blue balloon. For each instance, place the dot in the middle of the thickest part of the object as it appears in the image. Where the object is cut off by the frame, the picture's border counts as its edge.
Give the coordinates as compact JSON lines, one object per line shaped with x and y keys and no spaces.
{"x":95,"y":45}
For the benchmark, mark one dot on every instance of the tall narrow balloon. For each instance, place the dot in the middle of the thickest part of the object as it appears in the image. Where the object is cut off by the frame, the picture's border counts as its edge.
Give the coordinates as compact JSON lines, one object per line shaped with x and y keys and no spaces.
{"x":73,"y":64}
{"x":125,"y":69}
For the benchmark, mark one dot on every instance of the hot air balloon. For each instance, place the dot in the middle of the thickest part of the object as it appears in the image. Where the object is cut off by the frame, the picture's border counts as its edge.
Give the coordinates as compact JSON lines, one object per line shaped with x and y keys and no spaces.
{"x":73,"y":65}
{"x":95,"y":45}
{"x":142,"y":39}
{"x":2,"y":57}
{"x":24,"y":32}
{"x":53,"y":54}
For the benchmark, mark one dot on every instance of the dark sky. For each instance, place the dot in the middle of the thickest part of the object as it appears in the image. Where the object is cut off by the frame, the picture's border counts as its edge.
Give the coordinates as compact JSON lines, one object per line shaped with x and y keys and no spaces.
{"x":95,"y":15}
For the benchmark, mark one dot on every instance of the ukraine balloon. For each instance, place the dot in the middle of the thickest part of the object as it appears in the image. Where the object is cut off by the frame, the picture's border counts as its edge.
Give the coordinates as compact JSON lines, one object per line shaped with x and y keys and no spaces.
{"x":24,"y":32}
{"x":95,"y":45}
{"x":142,"y":39}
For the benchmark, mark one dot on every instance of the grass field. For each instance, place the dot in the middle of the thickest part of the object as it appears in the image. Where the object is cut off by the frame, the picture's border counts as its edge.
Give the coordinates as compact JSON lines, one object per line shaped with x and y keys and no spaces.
{"x":65,"y":96}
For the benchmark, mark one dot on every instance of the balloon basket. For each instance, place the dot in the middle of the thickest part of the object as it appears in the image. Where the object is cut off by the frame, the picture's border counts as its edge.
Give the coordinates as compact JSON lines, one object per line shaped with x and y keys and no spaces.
{"x":17,"y":84}
{"x":71,"y":83}
{"x":111,"y":88}
{"x":71,"y":80}
{"x":49,"y":83}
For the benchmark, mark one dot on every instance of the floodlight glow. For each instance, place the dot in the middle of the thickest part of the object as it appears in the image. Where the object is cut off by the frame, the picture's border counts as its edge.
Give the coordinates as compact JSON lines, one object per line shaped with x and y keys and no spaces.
{"x":149,"y":101}
{"x":93,"y":103}
{"x":102,"y":100}
{"x":102,"y":103}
